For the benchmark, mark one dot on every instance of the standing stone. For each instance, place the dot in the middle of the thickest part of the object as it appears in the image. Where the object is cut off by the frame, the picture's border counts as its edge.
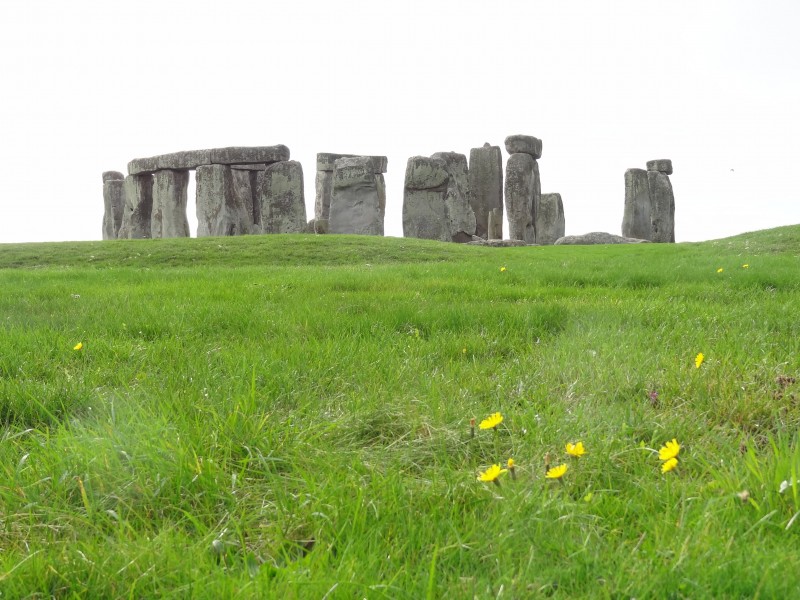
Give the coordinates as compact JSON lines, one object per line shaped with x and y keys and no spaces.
{"x":246,"y":196}
{"x":357,"y":205}
{"x":550,"y":222}
{"x":169,"y":204}
{"x":486,"y":188}
{"x":662,"y":209}
{"x":520,"y":191}
{"x":281,"y":198}
{"x":636,"y":219}
{"x":138,"y":207}
{"x":524,"y":144}
{"x":324,"y":180}
{"x":495,"y":230}
{"x":220,"y":210}
{"x":114,"y":203}
{"x":457,"y":198}
{"x":425,"y":213}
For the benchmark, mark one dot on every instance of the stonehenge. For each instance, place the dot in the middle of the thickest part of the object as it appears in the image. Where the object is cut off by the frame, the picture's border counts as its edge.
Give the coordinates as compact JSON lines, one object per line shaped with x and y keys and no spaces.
{"x":486,"y":187}
{"x":550,"y":220}
{"x":114,"y":203}
{"x":358,"y":197}
{"x":523,"y":189}
{"x":649,"y":203}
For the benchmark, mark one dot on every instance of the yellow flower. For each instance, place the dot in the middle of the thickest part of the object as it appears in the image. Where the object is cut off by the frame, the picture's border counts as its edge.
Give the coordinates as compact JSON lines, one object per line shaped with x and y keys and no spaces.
{"x":502,"y":269}
{"x":669,"y":450}
{"x":491,"y":421}
{"x":492,"y":473}
{"x":511,"y":463}
{"x":78,"y":346}
{"x":556,"y":472}
{"x":720,"y":270}
{"x":669,"y":465}
{"x":576,"y":450}
{"x":698,"y":360}
{"x":745,"y":266}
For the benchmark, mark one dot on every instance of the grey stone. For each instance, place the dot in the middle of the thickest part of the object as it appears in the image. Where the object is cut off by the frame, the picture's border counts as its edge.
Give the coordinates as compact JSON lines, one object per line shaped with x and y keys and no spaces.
{"x":282,"y":200}
{"x":356,"y":203}
{"x":242,"y":155}
{"x":220,"y":210}
{"x":497,"y":243}
{"x":520,"y":192}
{"x":318,"y":226}
{"x":425,"y":213}
{"x":245,"y":187}
{"x":190,"y":159}
{"x":168,"y":218}
{"x":524,"y":144}
{"x":138,"y":207}
{"x":495,"y":224}
{"x":114,"y":204}
{"x":112,"y":176}
{"x":662,"y":165}
{"x":636,"y":218}
{"x":537,"y":198}
{"x":550,"y":222}
{"x":662,"y":207}
{"x":143,"y":165}
{"x":457,"y":198}
{"x":486,"y":188}
{"x":423,"y":173}
{"x":322,"y":200}
{"x":596,"y":237}
{"x":249,"y":167}
{"x":326,"y":161}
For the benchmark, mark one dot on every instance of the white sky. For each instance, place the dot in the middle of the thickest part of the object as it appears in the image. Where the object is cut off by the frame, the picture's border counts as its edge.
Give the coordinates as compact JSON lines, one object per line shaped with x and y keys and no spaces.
{"x":607,"y":85}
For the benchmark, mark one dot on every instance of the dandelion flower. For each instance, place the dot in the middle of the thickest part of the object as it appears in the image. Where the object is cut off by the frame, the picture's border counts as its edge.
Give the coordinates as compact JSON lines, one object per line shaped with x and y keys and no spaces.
{"x":720,"y":270}
{"x":78,"y":346}
{"x":698,"y":360}
{"x":745,"y":266}
{"x":669,"y":465}
{"x":502,"y":269}
{"x":492,"y":473}
{"x":576,"y":450}
{"x":511,"y":467}
{"x":669,"y":450}
{"x":511,"y":463}
{"x":556,"y":472}
{"x":491,"y":421}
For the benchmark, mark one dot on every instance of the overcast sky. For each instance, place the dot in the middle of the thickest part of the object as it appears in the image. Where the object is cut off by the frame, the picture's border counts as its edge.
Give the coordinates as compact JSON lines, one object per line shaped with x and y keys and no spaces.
{"x":607,"y":86}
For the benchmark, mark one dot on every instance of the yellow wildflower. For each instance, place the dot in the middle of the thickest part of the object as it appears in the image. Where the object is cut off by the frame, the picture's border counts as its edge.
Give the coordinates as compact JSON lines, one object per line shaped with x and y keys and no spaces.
{"x":502,"y":269}
{"x":556,"y":472}
{"x":576,"y":450}
{"x":78,"y":346}
{"x":669,"y":450}
{"x":492,"y":473}
{"x":720,"y":270}
{"x":669,"y":465}
{"x":491,"y":421}
{"x":698,"y":360}
{"x":511,"y":463}
{"x":745,"y":266}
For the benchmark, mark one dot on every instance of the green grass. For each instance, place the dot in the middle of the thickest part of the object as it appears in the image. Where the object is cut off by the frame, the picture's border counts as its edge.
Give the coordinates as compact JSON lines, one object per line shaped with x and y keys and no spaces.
{"x":289,"y":417}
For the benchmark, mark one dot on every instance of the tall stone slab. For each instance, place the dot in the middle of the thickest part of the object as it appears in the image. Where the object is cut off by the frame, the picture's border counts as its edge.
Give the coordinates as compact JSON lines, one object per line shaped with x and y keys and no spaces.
{"x":114,"y":203}
{"x":357,"y":204}
{"x":662,"y":209}
{"x":425,"y":213}
{"x":324,"y":180}
{"x":170,"y":188}
{"x":550,"y":222}
{"x":457,"y":199}
{"x":636,"y":218}
{"x":220,"y":210}
{"x":282,"y":199}
{"x":245,"y":188}
{"x":520,"y":191}
{"x":486,"y":187}
{"x":138,"y":207}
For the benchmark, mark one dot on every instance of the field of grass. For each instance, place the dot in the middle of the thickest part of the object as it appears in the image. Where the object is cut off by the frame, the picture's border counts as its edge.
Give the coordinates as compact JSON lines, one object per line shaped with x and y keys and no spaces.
{"x":289,"y":417}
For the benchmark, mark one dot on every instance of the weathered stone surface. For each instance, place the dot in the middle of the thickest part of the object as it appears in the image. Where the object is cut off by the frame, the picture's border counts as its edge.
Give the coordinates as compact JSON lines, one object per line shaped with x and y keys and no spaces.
{"x":318,"y":226}
{"x":596,"y":237}
{"x":520,"y":191}
{"x":143,"y":165}
{"x":486,"y":187}
{"x":112,"y":176}
{"x":425,"y":213}
{"x":477,"y":241}
{"x":550,"y":222}
{"x":457,"y":198}
{"x":168,"y":219}
{"x":256,"y":167}
{"x":220,"y":210}
{"x":243,"y":155}
{"x":190,"y":159}
{"x":114,"y":204}
{"x":524,"y":144}
{"x":495,"y":222}
{"x":326,"y":161}
{"x":356,"y":204}
{"x":662,"y":207}
{"x":138,"y":207}
{"x":537,"y":197}
{"x":423,"y":173}
{"x":636,"y":218}
{"x":662,"y":165}
{"x":245,"y":186}
{"x":322,"y":199}
{"x":282,"y":199}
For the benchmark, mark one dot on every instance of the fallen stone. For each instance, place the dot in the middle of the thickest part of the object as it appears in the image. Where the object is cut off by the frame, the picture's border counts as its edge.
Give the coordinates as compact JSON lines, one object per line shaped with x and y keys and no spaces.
{"x":356,"y":205}
{"x":168,"y":219}
{"x":520,"y":190}
{"x":457,"y":198}
{"x":220,"y":210}
{"x":663,"y":165}
{"x":138,"y":207}
{"x":636,"y":218}
{"x":550,"y":221}
{"x":282,"y":200}
{"x":662,"y":207}
{"x":524,"y":144}
{"x":596,"y":237}
{"x":498,"y":243}
{"x":112,"y":176}
{"x":243,"y":155}
{"x":114,"y":205}
{"x":486,"y":188}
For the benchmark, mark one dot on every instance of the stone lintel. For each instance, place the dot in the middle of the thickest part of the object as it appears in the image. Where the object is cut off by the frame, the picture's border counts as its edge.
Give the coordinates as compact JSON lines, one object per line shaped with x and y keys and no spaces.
{"x":326,"y":161}
{"x":246,"y":155}
{"x":182,"y":161}
{"x":524,"y":144}
{"x":662,"y":165}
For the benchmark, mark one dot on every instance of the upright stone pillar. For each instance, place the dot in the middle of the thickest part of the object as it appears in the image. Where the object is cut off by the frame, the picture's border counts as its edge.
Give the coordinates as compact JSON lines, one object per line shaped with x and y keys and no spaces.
{"x":170,"y":188}
{"x":247,"y":197}
{"x":486,"y":188}
{"x":457,"y":198}
{"x":523,"y":194}
{"x":282,"y":199}
{"x":220,"y":210}
{"x":358,"y":200}
{"x":550,"y":223}
{"x":138,"y":207}
{"x":114,"y":203}
{"x":425,"y":213}
{"x":636,"y":219}
{"x":662,"y":209}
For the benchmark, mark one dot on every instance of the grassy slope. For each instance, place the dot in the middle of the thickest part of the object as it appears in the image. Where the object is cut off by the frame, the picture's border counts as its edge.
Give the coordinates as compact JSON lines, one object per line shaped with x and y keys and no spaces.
{"x":288,"y":416}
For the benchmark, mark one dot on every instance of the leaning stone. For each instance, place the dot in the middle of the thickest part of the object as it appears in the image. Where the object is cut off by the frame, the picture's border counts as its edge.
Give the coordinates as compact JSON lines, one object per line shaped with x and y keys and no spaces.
{"x":242,"y":155}
{"x":486,"y":187}
{"x":550,"y":220}
{"x":519,"y":197}
{"x":112,"y":176}
{"x":283,"y":205}
{"x":138,"y":207}
{"x":190,"y":159}
{"x":636,"y":218}
{"x":356,"y":204}
{"x":596,"y":237}
{"x":457,"y":199}
{"x":524,"y":144}
{"x":663,"y":165}
{"x":662,"y":208}
{"x":220,"y":210}
{"x":114,"y":205}
{"x":169,"y":204}
{"x":423,"y":173}
{"x":143,"y":165}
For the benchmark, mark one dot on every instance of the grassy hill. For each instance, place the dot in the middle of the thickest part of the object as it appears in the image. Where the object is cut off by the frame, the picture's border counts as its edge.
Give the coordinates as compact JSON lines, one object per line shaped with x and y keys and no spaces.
{"x":289,"y":417}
